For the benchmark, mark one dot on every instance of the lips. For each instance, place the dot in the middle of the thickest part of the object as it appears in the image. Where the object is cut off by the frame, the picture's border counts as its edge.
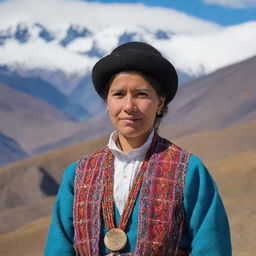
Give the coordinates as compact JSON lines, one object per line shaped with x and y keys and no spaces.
{"x":129,"y":120}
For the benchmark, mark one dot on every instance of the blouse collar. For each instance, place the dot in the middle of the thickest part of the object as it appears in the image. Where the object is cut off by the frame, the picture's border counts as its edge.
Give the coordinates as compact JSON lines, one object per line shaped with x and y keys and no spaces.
{"x":137,"y":153}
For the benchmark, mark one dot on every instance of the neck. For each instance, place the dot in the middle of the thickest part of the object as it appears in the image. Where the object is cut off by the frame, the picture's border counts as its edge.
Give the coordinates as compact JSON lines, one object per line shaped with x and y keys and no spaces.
{"x":127,"y":144}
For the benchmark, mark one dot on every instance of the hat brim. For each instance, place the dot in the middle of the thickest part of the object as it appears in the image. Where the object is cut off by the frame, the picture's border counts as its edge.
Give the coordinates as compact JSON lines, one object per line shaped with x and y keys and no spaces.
{"x":151,"y":64}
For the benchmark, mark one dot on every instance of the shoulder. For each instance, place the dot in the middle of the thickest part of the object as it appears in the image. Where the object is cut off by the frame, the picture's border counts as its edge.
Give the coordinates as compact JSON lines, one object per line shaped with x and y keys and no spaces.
{"x":198,"y":177}
{"x":69,"y":172}
{"x":68,"y":177}
{"x":195,"y":163}
{"x":196,"y":167}
{"x":196,"y":173}
{"x":84,"y":159}
{"x":174,"y":149}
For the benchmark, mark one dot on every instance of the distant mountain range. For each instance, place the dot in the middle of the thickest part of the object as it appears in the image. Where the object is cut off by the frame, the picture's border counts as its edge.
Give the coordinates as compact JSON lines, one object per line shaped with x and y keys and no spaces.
{"x":69,"y":90}
{"x":47,"y":99}
{"x":11,"y":150}
{"x":216,"y":101}
{"x":43,"y":90}
{"x":47,"y":103}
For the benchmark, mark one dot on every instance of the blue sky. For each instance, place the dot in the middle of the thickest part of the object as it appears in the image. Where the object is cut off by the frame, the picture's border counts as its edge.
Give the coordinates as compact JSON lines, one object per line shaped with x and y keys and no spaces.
{"x":223,"y":12}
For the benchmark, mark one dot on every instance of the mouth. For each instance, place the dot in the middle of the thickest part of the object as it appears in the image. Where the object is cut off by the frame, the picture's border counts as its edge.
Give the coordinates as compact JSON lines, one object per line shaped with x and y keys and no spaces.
{"x":130,"y":120}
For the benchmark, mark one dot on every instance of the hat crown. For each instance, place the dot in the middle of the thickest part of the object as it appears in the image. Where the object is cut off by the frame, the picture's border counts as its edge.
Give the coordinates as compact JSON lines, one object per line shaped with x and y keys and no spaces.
{"x":138,"y":56}
{"x":137,"y":46}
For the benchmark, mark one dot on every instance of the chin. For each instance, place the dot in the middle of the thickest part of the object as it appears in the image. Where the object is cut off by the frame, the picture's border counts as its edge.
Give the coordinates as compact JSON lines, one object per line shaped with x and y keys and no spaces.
{"x":130,"y":132}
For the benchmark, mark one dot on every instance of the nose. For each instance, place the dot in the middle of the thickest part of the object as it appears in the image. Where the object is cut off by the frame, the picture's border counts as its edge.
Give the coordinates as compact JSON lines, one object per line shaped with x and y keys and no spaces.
{"x":130,"y":105}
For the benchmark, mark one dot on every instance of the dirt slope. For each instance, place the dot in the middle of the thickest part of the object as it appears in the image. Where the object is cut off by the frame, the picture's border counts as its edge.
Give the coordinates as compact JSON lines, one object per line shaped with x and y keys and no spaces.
{"x":236,"y":179}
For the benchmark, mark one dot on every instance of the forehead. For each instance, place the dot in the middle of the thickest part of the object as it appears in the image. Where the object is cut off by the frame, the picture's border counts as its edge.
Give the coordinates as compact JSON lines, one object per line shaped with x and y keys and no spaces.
{"x":131,"y":80}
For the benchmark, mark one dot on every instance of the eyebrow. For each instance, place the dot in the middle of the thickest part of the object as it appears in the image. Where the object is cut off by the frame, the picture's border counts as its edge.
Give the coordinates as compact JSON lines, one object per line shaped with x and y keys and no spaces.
{"x":116,"y":90}
{"x":121,"y":90}
{"x":142,"y":89}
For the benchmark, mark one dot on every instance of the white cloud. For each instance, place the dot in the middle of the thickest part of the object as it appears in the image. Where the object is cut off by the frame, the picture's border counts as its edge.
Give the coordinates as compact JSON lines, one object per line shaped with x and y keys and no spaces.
{"x":195,"y":46}
{"x":80,"y":45}
{"x":206,"y":53}
{"x":58,"y":14}
{"x":237,"y":4}
{"x":39,"y":54}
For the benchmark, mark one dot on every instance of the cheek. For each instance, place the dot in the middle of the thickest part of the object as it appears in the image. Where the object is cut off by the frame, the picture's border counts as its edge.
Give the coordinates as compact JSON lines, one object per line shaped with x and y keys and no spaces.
{"x":113,"y":107}
{"x":149,"y":107}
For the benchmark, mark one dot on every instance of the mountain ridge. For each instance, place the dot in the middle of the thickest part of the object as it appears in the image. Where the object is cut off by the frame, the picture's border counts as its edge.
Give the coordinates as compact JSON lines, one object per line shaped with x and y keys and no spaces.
{"x":216,"y":100}
{"x":10,"y":150}
{"x":212,"y":102}
{"x":45,"y":91}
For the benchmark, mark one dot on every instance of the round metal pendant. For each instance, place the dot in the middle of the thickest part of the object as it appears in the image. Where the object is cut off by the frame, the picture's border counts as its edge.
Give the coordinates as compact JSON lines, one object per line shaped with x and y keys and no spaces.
{"x":115,"y":240}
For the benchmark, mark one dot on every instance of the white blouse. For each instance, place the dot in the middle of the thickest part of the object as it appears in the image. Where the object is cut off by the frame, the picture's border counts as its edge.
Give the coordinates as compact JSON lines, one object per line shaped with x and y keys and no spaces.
{"x":126,"y":168}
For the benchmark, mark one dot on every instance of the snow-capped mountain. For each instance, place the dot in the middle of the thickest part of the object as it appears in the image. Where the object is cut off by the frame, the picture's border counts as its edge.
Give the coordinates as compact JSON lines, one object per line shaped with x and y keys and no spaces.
{"x":59,"y":41}
{"x":72,"y":50}
{"x":70,"y":36}
{"x":76,"y":48}
{"x":48,"y":48}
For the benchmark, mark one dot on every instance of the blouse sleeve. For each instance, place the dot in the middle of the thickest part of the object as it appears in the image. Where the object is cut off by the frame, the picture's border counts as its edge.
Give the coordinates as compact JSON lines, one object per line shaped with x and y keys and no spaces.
{"x":206,"y":221}
{"x":61,"y":232}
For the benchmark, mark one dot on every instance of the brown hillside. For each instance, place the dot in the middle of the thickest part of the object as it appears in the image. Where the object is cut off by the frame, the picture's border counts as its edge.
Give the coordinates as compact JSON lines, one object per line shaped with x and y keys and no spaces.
{"x":31,"y":121}
{"x":28,"y":240}
{"x":236,"y":177}
{"x":223,"y":98}
{"x":16,"y":217}
{"x":216,"y":144}
{"x":22,"y":183}
{"x":218,"y":100}
{"x":10,"y":150}
{"x":49,"y":167}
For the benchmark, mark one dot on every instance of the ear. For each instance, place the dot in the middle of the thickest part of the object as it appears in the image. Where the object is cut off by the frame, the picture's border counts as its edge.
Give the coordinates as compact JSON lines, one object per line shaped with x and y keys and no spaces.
{"x":161,"y":102}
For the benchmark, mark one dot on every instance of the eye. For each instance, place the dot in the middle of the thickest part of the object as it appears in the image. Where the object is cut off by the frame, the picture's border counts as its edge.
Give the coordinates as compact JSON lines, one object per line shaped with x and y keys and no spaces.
{"x":118,"y":94}
{"x":142,"y":94}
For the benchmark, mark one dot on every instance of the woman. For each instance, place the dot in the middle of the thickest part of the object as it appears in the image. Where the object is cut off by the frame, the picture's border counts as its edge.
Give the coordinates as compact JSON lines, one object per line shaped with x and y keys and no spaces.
{"x":141,"y":194}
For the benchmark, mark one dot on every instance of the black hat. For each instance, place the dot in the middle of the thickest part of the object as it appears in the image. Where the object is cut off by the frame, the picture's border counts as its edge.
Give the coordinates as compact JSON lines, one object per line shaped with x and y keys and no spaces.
{"x":136,"y":56}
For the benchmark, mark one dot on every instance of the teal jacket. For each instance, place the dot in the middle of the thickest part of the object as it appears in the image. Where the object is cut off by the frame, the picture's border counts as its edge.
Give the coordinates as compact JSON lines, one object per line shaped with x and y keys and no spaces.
{"x":206,"y":229}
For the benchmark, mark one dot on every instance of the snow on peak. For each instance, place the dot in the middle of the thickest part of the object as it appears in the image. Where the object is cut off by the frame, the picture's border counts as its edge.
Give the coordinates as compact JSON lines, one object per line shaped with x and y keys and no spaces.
{"x":70,"y":35}
{"x":59,"y":14}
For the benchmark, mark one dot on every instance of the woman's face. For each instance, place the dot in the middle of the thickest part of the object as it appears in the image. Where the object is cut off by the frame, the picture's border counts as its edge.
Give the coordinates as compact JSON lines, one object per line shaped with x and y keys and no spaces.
{"x":132,"y":104}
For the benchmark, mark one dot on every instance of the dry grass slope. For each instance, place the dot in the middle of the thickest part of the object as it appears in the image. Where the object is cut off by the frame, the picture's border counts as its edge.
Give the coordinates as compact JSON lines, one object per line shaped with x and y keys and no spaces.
{"x":16,"y":217}
{"x":236,"y":178}
{"x":232,"y":162}
{"x":217,"y":144}
{"x":21,"y":182}
{"x":28,"y":240}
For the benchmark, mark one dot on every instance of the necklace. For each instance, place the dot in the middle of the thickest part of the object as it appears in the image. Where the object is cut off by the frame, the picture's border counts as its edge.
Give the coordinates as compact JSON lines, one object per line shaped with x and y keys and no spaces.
{"x":116,"y":239}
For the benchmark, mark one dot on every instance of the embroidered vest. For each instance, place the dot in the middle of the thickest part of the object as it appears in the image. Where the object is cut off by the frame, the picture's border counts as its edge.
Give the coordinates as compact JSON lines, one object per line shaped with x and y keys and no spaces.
{"x":161,"y":212}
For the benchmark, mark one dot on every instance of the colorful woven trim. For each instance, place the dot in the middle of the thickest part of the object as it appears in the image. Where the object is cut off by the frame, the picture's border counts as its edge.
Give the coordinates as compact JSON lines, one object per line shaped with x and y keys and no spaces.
{"x":87,"y":203}
{"x":108,"y":181}
{"x":161,"y":212}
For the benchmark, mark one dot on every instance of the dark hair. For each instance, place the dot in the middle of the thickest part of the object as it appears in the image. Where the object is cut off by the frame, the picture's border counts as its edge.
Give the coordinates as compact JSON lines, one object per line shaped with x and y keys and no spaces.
{"x":154,"y":83}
